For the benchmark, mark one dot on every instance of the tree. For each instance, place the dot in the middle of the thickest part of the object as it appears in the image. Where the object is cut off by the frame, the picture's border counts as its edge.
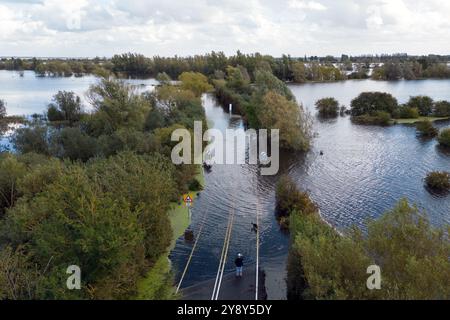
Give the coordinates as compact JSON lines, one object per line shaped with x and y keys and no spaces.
{"x":328,"y":107}
{"x":78,"y":224}
{"x":66,"y":106}
{"x":277,"y":112}
{"x":299,"y":72}
{"x":442,"y":109}
{"x":11,"y":172}
{"x":423,"y":103}
{"x":196,"y":82}
{"x":265,"y":81}
{"x":146,"y":182}
{"x":238,"y":78}
{"x":18,"y":279}
{"x":2,"y":109}
{"x":370,"y":102}
{"x":116,"y":106}
{"x":32,"y":139}
{"x":132,"y":64}
{"x":163,"y":78}
{"x":73,"y":144}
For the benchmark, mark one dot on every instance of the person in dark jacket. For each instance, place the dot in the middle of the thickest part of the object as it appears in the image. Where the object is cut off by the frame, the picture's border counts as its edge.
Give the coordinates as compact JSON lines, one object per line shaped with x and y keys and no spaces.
{"x":239,"y":262}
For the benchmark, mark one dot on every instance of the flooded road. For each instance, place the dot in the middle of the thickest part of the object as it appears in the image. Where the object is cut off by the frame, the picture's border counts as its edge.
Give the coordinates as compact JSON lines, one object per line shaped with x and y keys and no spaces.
{"x":363,"y":172}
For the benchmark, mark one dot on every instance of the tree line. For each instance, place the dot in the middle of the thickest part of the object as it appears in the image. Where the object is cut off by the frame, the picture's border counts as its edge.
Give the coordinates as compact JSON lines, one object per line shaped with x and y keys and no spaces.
{"x":285,"y":68}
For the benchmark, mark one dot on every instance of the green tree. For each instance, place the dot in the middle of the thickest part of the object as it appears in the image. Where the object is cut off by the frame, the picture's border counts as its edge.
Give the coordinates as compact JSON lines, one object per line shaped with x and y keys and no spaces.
{"x":11,"y":171}
{"x":277,"y":112}
{"x":32,"y":139}
{"x":66,"y":106}
{"x":73,"y":144}
{"x":423,"y":103}
{"x":370,"y":102}
{"x":80,"y":225}
{"x":18,"y":279}
{"x":163,"y":78}
{"x":146,"y":182}
{"x":116,"y":106}
{"x":265,"y":81}
{"x":328,"y":107}
{"x":195,"y":82}
{"x":238,"y":79}
{"x":299,"y":72}
{"x":442,"y":109}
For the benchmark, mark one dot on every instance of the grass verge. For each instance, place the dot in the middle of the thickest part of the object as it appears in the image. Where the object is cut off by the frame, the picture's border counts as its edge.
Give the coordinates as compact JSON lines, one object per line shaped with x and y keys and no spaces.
{"x":158,"y":282}
{"x":413,"y":121}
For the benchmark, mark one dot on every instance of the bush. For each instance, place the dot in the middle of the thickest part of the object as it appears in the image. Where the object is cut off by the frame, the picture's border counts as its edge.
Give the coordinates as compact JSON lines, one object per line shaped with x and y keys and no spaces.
{"x":423,"y":103}
{"x":32,"y":139}
{"x":371,"y":102}
{"x":426,"y":129}
{"x":444,"y":138}
{"x":11,"y":171}
{"x":73,"y":144}
{"x":195,"y":185}
{"x":439,"y":181}
{"x":380,"y":118}
{"x":406,"y":112}
{"x":328,"y":107}
{"x":289,"y":199}
{"x":442,"y":109}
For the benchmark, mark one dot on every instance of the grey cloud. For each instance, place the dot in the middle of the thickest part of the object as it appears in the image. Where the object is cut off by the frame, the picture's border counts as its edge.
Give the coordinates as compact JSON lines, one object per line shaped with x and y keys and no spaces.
{"x":197,"y":26}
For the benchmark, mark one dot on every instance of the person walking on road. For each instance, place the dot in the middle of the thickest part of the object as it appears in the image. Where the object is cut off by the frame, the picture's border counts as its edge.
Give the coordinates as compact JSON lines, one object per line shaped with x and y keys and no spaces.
{"x":239,"y":262}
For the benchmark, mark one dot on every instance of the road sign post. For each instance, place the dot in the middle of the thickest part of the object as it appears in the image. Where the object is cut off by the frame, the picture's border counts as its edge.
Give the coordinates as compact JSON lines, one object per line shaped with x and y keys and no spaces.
{"x":188,"y":201}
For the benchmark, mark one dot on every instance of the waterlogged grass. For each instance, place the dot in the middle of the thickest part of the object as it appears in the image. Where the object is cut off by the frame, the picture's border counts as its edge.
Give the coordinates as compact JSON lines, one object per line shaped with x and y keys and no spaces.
{"x":158,"y":283}
{"x":413,"y":121}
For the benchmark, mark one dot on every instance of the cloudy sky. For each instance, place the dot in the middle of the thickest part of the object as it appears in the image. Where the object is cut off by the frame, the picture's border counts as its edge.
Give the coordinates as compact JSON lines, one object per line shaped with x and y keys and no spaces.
{"x":168,"y":27}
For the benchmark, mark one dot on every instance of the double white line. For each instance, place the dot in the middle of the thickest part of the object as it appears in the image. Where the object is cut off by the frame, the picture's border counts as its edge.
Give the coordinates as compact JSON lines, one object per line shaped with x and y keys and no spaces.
{"x":257,"y":249}
{"x":223,"y":257}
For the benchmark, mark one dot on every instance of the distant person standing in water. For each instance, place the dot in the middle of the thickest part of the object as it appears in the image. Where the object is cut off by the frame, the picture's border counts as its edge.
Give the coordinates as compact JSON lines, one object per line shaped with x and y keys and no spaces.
{"x":239,"y":262}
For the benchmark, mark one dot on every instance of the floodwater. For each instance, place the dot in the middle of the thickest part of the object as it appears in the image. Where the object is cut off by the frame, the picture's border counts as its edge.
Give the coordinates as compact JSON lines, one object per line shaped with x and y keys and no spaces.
{"x":363,"y":172}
